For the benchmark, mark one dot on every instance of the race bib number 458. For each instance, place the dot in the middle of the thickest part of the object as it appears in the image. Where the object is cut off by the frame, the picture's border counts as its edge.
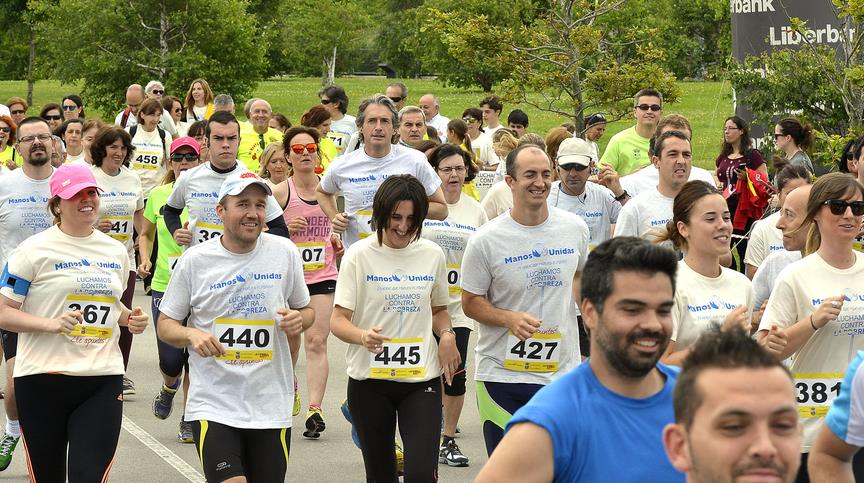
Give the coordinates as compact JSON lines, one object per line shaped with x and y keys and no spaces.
{"x":540,"y":353}
{"x":245,"y":340}
{"x":816,"y":392}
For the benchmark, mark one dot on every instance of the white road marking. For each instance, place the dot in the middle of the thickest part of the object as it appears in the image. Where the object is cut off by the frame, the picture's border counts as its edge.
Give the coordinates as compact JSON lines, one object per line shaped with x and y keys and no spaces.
{"x":166,"y":454}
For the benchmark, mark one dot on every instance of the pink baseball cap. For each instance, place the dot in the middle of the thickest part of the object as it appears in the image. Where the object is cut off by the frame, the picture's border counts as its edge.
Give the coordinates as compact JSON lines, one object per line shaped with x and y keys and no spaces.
{"x":185,"y":141}
{"x":70,"y":179}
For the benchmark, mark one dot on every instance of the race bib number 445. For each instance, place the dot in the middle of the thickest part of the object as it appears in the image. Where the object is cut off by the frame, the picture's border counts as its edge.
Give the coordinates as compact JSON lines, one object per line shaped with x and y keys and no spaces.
{"x":816,"y":392}
{"x":399,"y":359}
{"x":96,"y":312}
{"x":540,"y":353}
{"x":245,"y":340}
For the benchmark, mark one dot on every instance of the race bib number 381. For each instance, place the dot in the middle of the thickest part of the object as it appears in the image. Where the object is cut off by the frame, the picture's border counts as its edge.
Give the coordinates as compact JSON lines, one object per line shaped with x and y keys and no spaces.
{"x":399,"y":359}
{"x":815,"y":392}
{"x":245,"y":340}
{"x":540,"y":353}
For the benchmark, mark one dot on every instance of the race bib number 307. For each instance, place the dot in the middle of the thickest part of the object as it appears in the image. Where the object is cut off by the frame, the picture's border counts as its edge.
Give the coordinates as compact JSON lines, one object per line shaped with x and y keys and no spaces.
{"x":399,"y":359}
{"x":815,"y":392}
{"x":245,"y":340}
{"x":540,"y":353}
{"x":96,"y":312}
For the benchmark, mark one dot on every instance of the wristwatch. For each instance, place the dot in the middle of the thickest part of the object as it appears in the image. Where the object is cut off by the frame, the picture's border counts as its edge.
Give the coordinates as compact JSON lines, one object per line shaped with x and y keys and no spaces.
{"x":447,"y":330}
{"x":622,"y":196}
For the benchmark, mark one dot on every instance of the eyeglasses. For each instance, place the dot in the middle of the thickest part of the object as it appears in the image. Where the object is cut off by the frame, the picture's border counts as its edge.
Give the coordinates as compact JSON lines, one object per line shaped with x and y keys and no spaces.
{"x":158,"y":92}
{"x":188,"y":157}
{"x":571,"y":166}
{"x":326,"y":101}
{"x":70,"y":108}
{"x":652,"y":107}
{"x":19,"y":111}
{"x":453,"y":169}
{"x":396,"y":99}
{"x":298,"y":148}
{"x":29,"y":139}
{"x":178,"y":110}
{"x":5,"y":129}
{"x":838,"y":207}
{"x":469,"y":120}
{"x":52,"y":118}
{"x":778,"y":135}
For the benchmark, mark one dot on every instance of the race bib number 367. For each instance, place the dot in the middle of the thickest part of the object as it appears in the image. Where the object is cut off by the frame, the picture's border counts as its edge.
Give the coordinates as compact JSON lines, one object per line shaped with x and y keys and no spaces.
{"x":540,"y":353}
{"x":245,"y":340}
{"x":98,"y":320}
{"x":399,"y":359}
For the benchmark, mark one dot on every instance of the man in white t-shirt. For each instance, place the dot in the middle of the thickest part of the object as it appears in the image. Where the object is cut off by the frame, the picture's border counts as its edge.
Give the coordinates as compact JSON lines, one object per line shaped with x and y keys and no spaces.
{"x":595,"y":204}
{"x":432,"y":109}
{"x":244,"y":297}
{"x":358,"y":174}
{"x":492,"y":107}
{"x":24,"y":195}
{"x":342,"y":126}
{"x":412,"y":126}
{"x":197,"y":188}
{"x":520,"y":280}
{"x":646,"y":215}
{"x":134,"y":97}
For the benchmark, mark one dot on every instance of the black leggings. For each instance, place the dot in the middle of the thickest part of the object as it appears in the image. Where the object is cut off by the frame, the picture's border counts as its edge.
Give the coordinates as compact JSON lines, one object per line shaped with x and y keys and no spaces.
{"x":261,"y":455}
{"x":80,"y":415}
{"x":375,"y":406}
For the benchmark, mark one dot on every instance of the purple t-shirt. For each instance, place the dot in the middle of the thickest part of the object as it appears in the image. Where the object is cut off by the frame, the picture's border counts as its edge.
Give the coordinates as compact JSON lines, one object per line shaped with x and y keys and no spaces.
{"x":726,"y":167}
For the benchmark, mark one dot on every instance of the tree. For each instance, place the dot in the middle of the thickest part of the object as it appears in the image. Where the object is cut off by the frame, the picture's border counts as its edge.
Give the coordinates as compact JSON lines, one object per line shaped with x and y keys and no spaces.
{"x":120,"y":42}
{"x":564,"y":62}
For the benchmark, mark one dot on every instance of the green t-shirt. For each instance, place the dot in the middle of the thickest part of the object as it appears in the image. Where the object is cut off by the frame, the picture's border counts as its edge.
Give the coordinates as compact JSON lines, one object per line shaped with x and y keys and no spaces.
{"x":627,"y":151}
{"x":169,"y":251}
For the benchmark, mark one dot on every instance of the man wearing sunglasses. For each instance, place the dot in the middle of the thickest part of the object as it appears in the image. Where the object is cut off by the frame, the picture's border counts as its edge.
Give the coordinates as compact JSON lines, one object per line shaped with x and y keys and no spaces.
{"x":398,"y":93}
{"x":627,"y":151}
{"x":342,"y":125}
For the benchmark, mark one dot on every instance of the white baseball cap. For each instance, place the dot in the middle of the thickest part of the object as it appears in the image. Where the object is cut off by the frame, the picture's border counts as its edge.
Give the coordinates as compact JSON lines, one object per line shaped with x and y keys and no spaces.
{"x":575,"y":150}
{"x":236,"y":183}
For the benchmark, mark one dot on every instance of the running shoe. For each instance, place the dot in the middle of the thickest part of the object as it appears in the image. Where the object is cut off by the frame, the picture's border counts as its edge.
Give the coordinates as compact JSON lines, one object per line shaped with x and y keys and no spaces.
{"x":128,"y":386}
{"x":314,"y":423}
{"x":450,"y":454}
{"x":164,"y":402}
{"x":347,"y":415}
{"x":185,"y":433}
{"x":7,"y":448}
{"x":296,"y":410}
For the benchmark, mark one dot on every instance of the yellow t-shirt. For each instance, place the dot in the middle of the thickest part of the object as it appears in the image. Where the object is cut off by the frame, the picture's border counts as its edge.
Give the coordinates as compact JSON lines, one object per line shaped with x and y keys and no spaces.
{"x":250,"y":145}
{"x":7,"y":154}
{"x":329,"y":151}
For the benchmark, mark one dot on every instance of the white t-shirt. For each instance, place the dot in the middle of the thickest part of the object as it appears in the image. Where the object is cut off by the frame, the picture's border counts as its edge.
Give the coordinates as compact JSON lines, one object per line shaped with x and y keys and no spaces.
{"x":148,"y":160}
{"x":235,"y":297}
{"x":130,"y":121}
{"x":198,"y":190}
{"x":646,"y":179}
{"x":819,"y":365}
{"x":645,"y":216}
{"x":394,"y":289}
{"x":498,"y":199}
{"x":528,"y":269}
{"x":596,"y":150}
{"x":701,"y":301}
{"x":74,"y":158}
{"x":341,"y":131}
{"x":769,"y":270}
{"x":764,"y":240}
{"x":439,"y":122}
{"x":357,"y":176}
{"x":23,"y":210}
{"x":52,"y":272}
{"x":483,"y":150}
{"x":596,"y":206}
{"x":463,"y":219}
{"x":121,"y":197}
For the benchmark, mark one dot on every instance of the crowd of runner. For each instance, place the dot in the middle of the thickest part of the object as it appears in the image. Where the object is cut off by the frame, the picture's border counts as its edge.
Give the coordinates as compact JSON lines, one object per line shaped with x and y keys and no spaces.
{"x":637,"y":318}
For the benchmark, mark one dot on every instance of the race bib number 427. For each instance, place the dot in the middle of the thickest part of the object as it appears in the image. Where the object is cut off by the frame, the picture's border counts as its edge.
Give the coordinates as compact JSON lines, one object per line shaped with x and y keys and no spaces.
{"x":539,"y":353}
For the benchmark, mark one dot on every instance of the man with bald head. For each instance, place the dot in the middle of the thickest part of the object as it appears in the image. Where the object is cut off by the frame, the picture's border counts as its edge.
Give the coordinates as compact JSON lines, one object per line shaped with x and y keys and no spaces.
{"x":432,"y":110}
{"x":129,"y":116}
{"x":256,"y":133}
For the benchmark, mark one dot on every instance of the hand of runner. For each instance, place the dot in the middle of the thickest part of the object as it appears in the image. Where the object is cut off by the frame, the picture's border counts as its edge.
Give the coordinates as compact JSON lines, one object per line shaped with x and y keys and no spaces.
{"x":183,"y":236}
{"x":340,"y":222}
{"x":448,"y":357}
{"x":737,"y":318}
{"x":757,"y":317}
{"x":138,"y":321}
{"x":829,"y":310}
{"x":338,"y":246}
{"x":775,"y":341}
{"x":297,"y":224}
{"x":523,"y":325}
{"x":373,"y":340}
{"x":66,"y":322}
{"x":609,"y":178}
{"x":144,"y":269}
{"x":104,"y":226}
{"x":204,"y":344}
{"x":291,"y":321}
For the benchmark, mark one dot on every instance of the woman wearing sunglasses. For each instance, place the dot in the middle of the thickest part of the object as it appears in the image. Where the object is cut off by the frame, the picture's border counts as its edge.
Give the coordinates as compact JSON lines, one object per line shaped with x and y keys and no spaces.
{"x":817,"y":305}
{"x":73,"y":107}
{"x":52,"y":113}
{"x":175,"y":108}
{"x":319,"y":249}
{"x":793,"y":138}
{"x":7,"y":139}
{"x":319,"y":118}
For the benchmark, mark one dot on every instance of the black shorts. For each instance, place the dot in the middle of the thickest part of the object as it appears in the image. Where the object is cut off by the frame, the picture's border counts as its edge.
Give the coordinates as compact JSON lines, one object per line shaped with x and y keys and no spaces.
{"x":10,"y":344}
{"x":322,"y":288}
{"x":261,"y":455}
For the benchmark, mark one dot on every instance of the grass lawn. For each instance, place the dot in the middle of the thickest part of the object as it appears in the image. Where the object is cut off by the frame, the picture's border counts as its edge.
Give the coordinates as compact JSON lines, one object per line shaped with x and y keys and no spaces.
{"x":705,"y":104}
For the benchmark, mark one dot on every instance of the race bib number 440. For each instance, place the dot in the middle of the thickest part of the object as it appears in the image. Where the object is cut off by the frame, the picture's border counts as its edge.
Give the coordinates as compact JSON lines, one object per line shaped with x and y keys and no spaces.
{"x":399,"y":359}
{"x":96,"y":312}
{"x":540,"y":353}
{"x":245,"y":340}
{"x":816,"y":392}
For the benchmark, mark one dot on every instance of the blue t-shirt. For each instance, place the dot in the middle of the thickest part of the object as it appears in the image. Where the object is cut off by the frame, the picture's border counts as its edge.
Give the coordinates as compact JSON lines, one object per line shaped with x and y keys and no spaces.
{"x":846,"y":416}
{"x":598,"y":435}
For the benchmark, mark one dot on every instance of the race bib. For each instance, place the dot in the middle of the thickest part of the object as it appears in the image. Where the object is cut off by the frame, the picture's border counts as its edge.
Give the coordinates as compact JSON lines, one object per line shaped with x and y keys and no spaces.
{"x":245,"y":340}
{"x":400,"y":359}
{"x":97,"y":314}
{"x":816,"y":392}
{"x":146,"y":160}
{"x":173,"y":258}
{"x":540,"y":353}
{"x":340,"y":140}
{"x":858,"y":244}
{"x":312,"y":254}
{"x":364,"y":223}
{"x":454,"y":273}
{"x":121,"y":227}
{"x":207,"y":231}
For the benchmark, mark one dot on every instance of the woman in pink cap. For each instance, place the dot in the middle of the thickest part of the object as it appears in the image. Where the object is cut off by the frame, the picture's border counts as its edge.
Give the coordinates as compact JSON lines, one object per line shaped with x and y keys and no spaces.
{"x":60,"y":290}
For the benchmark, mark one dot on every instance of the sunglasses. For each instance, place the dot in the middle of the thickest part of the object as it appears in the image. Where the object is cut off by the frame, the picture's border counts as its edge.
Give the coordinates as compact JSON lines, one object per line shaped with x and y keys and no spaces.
{"x":570,"y":166}
{"x":652,"y":107}
{"x":838,"y":207}
{"x":70,"y":108}
{"x":396,"y":99}
{"x":779,"y":135}
{"x":18,"y":111}
{"x":52,"y":118}
{"x":326,"y":101}
{"x":298,"y":148}
{"x":5,"y":129}
{"x":469,"y":120}
{"x":158,"y":92}
{"x":178,"y":110}
{"x":179,"y":158}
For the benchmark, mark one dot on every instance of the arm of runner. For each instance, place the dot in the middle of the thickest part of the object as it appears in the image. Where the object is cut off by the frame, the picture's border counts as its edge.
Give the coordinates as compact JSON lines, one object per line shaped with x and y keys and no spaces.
{"x":138,"y":220}
{"x":831,"y":458}
{"x":145,"y":244}
{"x":525,"y":454}
{"x":343,"y":328}
{"x":173,"y":333}
{"x":136,"y":320}
{"x":448,"y":354}
{"x":672,"y":357}
{"x":13,"y":319}
{"x":800,"y":332}
{"x":172,"y":219}
{"x":327,"y":202}
{"x":294,"y":322}
{"x":479,"y":308}
{"x":577,"y":286}
{"x":277,"y":227}
{"x":437,"y":206}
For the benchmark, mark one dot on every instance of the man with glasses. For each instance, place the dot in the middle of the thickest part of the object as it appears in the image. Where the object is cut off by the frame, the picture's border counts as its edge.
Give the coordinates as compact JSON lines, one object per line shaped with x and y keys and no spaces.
{"x":398,"y":93}
{"x":256,"y":133}
{"x":342,"y":126}
{"x":627,"y":151}
{"x":432,"y":109}
{"x":412,"y":126}
{"x":24,"y":194}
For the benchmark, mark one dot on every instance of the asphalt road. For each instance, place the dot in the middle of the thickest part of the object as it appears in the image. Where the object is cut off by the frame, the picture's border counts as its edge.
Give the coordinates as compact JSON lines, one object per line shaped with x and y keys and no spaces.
{"x":149,"y":451}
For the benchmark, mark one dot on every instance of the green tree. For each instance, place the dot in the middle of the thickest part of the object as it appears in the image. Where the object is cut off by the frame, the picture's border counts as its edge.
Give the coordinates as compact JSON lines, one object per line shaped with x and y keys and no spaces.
{"x":120,"y":42}
{"x":398,"y":38}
